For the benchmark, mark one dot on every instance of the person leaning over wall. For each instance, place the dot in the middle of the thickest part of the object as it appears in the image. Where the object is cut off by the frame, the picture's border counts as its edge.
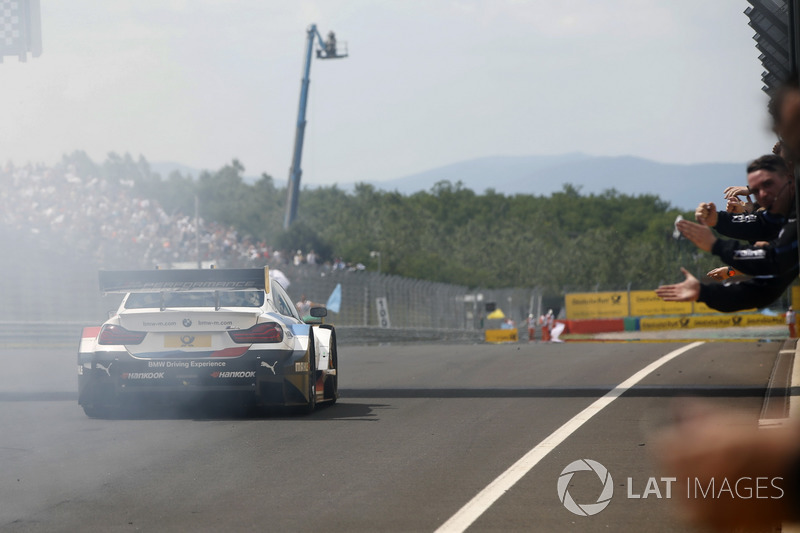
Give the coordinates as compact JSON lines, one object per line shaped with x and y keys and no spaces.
{"x":773,"y":266}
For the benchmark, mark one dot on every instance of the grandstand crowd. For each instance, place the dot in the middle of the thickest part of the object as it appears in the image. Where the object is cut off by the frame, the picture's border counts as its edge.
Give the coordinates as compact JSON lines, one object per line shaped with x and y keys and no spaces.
{"x":106,"y":222}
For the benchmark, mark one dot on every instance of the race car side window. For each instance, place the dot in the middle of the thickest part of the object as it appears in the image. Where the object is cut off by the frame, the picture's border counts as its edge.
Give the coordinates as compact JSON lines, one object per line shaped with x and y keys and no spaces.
{"x":242,"y":298}
{"x":283,"y":302}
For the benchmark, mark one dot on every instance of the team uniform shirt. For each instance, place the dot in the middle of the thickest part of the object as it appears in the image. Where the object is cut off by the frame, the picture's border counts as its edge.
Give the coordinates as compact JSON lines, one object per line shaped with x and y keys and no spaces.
{"x":760,"y":226}
{"x":780,"y":256}
{"x":773,"y":267}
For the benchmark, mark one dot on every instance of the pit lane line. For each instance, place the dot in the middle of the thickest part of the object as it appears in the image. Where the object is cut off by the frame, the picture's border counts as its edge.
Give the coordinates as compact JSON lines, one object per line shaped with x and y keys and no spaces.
{"x":794,"y":401}
{"x":479,"y":504}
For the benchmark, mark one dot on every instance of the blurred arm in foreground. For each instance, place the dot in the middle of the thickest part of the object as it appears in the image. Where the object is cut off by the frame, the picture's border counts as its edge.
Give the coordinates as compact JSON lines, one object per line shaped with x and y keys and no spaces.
{"x":760,"y":466}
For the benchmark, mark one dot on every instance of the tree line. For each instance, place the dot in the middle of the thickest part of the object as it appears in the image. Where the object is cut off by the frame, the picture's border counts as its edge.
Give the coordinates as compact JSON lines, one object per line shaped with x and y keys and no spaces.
{"x":563,"y":242}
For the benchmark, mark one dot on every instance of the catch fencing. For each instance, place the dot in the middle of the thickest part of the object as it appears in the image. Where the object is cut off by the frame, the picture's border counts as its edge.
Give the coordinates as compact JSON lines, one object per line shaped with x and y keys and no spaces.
{"x":380,"y":300}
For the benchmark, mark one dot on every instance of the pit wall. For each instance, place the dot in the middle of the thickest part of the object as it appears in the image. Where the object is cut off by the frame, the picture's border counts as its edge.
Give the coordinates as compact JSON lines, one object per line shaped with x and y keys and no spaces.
{"x":667,"y":323}
{"x":632,"y":304}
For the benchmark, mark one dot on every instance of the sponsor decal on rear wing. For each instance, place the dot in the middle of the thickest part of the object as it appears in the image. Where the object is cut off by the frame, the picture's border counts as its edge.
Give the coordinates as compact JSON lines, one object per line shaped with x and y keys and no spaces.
{"x":116,"y":281}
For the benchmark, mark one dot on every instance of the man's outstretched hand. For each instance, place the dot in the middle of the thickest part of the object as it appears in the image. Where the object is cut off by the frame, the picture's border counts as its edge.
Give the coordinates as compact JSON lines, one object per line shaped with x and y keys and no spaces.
{"x":687,"y":290}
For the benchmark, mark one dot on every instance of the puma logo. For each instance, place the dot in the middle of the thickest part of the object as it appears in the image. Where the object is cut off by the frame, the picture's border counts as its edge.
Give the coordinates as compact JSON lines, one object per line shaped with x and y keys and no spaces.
{"x":106,"y":368}
{"x":270,"y":366}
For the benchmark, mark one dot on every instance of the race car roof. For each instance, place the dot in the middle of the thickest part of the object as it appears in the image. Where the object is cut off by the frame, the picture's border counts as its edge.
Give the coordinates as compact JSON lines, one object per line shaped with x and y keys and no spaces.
{"x":112,"y":281}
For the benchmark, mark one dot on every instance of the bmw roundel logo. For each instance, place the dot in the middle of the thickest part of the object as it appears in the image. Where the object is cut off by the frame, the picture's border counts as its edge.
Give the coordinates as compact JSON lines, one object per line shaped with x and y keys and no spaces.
{"x":187,"y":322}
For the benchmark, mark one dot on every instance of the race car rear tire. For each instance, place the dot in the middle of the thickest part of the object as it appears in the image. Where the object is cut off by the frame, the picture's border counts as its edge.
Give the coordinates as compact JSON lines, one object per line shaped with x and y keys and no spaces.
{"x":100,"y":406}
{"x":312,"y":378}
{"x":332,"y":382}
{"x":98,"y":401}
{"x":97,"y":411}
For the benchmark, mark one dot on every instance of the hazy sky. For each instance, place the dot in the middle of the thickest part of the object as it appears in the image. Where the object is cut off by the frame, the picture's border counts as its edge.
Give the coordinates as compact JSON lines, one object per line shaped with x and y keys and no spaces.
{"x":427,"y":83}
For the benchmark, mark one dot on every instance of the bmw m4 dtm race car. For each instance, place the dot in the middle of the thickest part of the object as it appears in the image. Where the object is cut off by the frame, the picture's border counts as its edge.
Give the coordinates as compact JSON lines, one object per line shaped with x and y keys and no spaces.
{"x":195,"y":334}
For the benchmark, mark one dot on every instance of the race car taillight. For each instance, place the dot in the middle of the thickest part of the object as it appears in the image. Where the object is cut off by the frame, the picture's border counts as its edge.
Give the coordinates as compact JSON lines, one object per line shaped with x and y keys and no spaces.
{"x":264,"y":332}
{"x":111,"y":334}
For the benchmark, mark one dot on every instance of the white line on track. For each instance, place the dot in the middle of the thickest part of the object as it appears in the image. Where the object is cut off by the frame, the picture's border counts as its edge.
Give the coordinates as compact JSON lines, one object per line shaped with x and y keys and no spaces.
{"x":478,"y":505}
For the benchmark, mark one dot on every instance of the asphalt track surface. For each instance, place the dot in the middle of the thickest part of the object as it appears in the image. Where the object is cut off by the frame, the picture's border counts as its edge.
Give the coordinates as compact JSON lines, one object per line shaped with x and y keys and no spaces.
{"x":419,"y":431}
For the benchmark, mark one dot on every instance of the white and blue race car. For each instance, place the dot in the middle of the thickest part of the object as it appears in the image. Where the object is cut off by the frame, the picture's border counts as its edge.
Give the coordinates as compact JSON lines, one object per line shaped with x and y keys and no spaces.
{"x":194,"y":334}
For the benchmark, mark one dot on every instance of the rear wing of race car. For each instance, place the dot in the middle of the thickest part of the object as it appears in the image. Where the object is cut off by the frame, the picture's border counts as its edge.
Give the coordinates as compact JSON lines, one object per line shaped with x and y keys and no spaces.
{"x":234,"y":279}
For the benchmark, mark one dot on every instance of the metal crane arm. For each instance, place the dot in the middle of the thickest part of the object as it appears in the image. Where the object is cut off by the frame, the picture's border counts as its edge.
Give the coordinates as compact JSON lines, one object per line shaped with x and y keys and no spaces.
{"x":295,"y":172}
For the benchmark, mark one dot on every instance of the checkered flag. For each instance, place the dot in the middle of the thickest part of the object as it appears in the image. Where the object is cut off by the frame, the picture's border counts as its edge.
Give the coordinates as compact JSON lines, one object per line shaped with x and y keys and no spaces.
{"x":20,"y":31}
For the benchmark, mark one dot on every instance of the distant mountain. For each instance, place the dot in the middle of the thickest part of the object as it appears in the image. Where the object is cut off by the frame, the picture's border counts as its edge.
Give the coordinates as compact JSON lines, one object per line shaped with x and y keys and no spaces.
{"x":683,"y":186}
